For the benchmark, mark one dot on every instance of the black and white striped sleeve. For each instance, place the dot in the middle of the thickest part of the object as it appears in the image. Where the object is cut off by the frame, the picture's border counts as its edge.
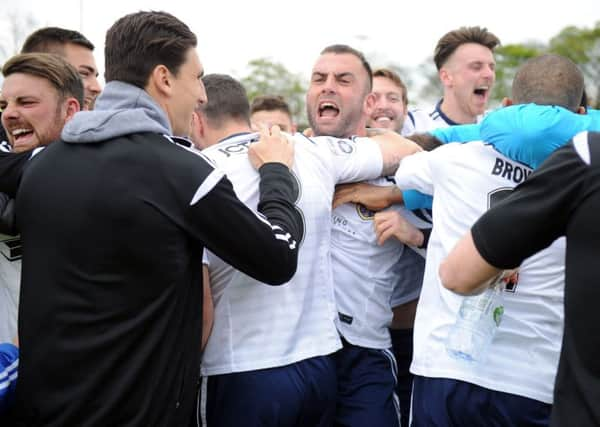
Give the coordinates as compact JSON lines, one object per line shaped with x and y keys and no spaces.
{"x":264,"y":245}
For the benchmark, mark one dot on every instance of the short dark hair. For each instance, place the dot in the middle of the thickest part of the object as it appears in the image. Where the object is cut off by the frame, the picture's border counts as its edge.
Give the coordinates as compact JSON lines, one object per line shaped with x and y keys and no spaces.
{"x":345,"y":49}
{"x":227,"y":99}
{"x":549,"y":79}
{"x":270,"y":103}
{"x":453,"y":39}
{"x":51,"y":67}
{"x":53,"y":40}
{"x":140,"y":41}
{"x":394,"y":77}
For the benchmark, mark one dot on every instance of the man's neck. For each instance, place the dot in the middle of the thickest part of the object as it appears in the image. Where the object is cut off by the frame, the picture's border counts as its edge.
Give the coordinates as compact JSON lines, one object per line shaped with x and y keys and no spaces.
{"x":450,"y":108}
{"x":227,"y":130}
{"x":359,"y":130}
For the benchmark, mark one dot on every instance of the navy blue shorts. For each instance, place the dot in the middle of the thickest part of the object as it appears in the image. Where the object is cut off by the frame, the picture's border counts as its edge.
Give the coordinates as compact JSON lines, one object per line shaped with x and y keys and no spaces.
{"x":444,"y":402}
{"x":402,"y":346}
{"x":300,"y":394}
{"x":366,"y":387}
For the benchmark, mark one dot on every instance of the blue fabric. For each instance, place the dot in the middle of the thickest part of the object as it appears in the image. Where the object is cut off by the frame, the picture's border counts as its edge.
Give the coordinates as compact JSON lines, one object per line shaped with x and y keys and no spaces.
{"x":414,"y":200}
{"x":9,"y":363}
{"x":366,"y":387}
{"x":458,"y":133}
{"x":530,"y":133}
{"x":443,"y":402}
{"x":527,"y":133}
{"x":300,"y":394}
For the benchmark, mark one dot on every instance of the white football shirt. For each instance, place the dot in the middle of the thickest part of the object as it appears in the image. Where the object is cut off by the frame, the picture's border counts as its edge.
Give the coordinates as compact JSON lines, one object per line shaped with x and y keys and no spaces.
{"x":257,"y":326}
{"x":465,"y":180}
{"x":10,"y":279}
{"x":365,"y":273}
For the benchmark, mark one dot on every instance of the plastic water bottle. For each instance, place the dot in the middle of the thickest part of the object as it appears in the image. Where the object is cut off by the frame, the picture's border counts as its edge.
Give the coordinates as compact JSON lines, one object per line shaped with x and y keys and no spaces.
{"x":478,"y":319}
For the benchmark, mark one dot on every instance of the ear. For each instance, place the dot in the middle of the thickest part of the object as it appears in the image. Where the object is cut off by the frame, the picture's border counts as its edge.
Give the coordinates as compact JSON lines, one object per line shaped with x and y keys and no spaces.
{"x":294,"y":128}
{"x":369,"y":104}
{"x":71,"y":107}
{"x":507,"y":102}
{"x":445,"y":76}
{"x":254,"y":126}
{"x":198,"y":124}
{"x":160,"y":80}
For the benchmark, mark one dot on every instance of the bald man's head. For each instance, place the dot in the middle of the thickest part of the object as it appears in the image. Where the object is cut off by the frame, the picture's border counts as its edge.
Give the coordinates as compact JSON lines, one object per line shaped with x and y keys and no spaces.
{"x":548,"y":80}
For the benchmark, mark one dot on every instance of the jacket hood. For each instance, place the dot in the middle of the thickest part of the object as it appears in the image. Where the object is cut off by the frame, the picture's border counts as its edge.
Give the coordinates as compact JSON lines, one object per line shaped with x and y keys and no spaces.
{"x":121,"y":109}
{"x":529,"y":133}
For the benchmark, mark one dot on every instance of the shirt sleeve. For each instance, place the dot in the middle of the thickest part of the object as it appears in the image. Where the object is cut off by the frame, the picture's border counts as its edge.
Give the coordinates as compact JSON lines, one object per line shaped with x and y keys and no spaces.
{"x":415,"y":173}
{"x":535,"y":214}
{"x":458,"y":133}
{"x":354,"y":160}
{"x":12,"y":166}
{"x":264,"y":245}
{"x":415,"y":200}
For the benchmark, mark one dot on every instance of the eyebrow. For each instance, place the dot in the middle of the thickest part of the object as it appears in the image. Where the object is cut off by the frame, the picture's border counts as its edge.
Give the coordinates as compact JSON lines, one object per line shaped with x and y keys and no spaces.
{"x":344,"y":74}
{"x":90,"y":69}
{"x":337,"y":75}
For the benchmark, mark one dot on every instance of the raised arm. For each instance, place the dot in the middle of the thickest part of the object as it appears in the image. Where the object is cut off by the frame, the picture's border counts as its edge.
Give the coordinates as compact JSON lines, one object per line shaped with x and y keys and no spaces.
{"x":263,"y":246}
{"x":373,"y":197}
{"x":394,"y":148}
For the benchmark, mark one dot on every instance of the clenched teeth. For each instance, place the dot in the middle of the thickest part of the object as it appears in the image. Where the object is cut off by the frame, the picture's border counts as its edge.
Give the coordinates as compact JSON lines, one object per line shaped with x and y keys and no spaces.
{"x":18,"y":132}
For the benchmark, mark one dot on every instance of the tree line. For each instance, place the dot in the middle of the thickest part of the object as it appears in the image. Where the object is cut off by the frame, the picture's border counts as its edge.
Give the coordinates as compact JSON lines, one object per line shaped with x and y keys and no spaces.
{"x":580,"y":44}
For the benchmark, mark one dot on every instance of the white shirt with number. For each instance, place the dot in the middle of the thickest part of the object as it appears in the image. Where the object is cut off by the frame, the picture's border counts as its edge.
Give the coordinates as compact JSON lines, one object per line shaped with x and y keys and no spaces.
{"x":465,"y":180}
{"x":257,"y":326}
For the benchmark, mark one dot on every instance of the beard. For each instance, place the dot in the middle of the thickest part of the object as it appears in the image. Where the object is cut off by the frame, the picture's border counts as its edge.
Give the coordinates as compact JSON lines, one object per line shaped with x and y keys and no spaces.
{"x":344,"y":126}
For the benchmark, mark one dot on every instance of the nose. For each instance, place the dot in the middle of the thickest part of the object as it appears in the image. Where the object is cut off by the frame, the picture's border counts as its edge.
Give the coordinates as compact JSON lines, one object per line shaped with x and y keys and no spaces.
{"x":329,"y":85}
{"x":489,"y":72}
{"x":202,"y":98}
{"x":94,"y":86}
{"x":9,"y":112}
{"x":381,"y":102}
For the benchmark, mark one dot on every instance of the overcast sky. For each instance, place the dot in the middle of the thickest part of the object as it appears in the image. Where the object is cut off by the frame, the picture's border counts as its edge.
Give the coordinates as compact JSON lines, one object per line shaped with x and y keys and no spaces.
{"x":401,"y":32}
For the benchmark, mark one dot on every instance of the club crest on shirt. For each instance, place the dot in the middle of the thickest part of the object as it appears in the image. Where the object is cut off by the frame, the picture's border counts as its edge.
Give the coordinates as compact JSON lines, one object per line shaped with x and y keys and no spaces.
{"x":364,"y":213}
{"x":340,"y":147}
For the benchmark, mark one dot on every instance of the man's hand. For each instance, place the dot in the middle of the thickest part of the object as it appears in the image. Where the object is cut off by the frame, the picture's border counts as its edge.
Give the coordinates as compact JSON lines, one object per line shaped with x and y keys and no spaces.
{"x":392,"y":224}
{"x":376,"y":131}
{"x":273,"y":147}
{"x":308,"y":132}
{"x":373,"y":197}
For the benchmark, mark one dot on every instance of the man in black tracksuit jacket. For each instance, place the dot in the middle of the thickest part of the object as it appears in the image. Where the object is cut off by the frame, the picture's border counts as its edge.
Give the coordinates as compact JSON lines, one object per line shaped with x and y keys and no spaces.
{"x":114,"y":219}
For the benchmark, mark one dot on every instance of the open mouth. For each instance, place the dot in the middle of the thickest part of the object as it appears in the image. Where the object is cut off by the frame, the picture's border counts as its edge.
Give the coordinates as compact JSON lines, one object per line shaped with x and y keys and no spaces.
{"x":383,"y":119}
{"x":481,"y":91}
{"x":21,"y":134}
{"x":328,"y":110}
